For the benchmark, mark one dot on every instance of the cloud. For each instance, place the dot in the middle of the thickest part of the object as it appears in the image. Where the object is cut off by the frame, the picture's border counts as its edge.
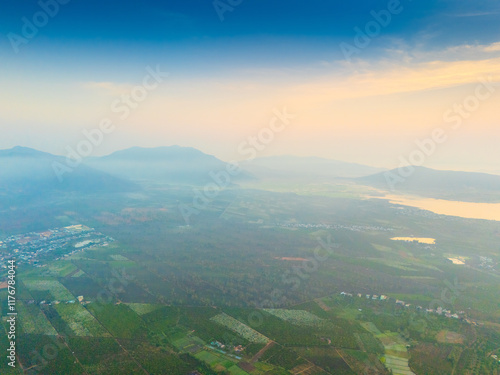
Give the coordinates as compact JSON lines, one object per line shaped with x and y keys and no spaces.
{"x":475,"y":14}
{"x":495,"y":47}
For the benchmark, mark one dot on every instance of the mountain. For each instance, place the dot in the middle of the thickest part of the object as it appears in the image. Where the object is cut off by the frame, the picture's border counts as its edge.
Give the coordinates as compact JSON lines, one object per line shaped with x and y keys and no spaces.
{"x":441,"y":184}
{"x":312,"y":169}
{"x":25,"y":171}
{"x":173,"y":164}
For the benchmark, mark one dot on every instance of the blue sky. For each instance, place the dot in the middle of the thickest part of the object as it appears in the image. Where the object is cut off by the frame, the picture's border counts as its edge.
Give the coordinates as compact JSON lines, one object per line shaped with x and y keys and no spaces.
{"x":262,"y":55}
{"x":249,"y":34}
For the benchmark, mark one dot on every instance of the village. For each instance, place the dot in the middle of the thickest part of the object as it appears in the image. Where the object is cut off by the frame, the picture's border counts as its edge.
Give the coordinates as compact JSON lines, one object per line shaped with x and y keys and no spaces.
{"x":353,"y":228}
{"x":35,"y":248}
{"x":438,"y":310}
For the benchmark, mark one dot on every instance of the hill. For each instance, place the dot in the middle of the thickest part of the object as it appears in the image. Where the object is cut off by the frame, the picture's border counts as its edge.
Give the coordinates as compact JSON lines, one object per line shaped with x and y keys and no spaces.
{"x":440,"y":184}
{"x":28,"y":172}
{"x":311,"y":169}
{"x":173,"y":164}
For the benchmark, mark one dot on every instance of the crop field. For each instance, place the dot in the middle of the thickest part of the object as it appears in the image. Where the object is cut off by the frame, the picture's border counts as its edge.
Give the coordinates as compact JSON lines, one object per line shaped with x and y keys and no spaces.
{"x":327,"y":359}
{"x":189,"y":343}
{"x":33,"y":321}
{"x":78,"y":273}
{"x":31,"y":350}
{"x":80,"y":321}
{"x":102,"y":356}
{"x":449,"y":337}
{"x":171,"y":291}
{"x":143,"y":308}
{"x":235,"y":370}
{"x":396,"y":355}
{"x":298,"y":317}
{"x":83,"y":286}
{"x":208,"y":357}
{"x":119,"y":257}
{"x":61,"y":268}
{"x":54,"y":287}
{"x":119,"y":319}
{"x":241,"y":329}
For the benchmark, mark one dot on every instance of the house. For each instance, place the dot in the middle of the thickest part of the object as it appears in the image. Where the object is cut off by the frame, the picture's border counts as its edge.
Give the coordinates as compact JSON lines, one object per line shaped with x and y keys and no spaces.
{"x":375,"y":296}
{"x":80,"y":298}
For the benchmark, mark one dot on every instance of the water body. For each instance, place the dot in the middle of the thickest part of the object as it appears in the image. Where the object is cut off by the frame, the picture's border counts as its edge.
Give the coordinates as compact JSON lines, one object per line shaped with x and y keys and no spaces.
{"x":469,"y":210}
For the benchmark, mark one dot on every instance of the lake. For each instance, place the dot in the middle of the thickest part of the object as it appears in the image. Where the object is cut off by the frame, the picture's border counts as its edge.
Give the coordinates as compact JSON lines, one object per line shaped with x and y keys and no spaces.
{"x":469,"y":210}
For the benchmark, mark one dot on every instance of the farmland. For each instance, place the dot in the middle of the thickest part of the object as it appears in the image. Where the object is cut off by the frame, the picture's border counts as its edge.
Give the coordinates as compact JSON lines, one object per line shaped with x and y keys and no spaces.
{"x":211,"y":296}
{"x":240,"y":328}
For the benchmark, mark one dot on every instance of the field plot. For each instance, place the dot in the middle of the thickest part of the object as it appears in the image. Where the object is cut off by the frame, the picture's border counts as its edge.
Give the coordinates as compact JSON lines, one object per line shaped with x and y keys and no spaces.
{"x":64,"y":363}
{"x":241,"y":329}
{"x":81,"y":322}
{"x":396,"y":354}
{"x":208,"y":357}
{"x":158,"y":361}
{"x":189,"y":344}
{"x":220,"y":362}
{"x":33,"y":320}
{"x":298,"y":317}
{"x":235,"y":370}
{"x":119,"y":257}
{"x":449,"y":337}
{"x":5,"y":369}
{"x":120,"y":320}
{"x":328,"y":359}
{"x":54,"y":287}
{"x":102,"y":356}
{"x":78,"y":273}
{"x":143,"y":308}
{"x":61,"y":268}
{"x":83,"y":286}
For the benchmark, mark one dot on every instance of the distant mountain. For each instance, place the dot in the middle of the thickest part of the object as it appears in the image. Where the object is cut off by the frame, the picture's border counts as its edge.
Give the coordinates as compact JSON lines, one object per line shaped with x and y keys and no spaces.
{"x":173,"y":164}
{"x":25,"y":171}
{"x":452,"y":185}
{"x":312,"y":169}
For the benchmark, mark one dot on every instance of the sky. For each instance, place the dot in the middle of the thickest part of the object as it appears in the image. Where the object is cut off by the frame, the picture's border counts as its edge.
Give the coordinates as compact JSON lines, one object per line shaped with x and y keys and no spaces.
{"x":373,"y":82}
